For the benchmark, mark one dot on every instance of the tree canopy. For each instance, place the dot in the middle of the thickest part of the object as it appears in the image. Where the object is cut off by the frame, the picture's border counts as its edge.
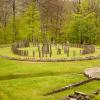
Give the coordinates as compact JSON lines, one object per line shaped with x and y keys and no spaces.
{"x":56,"y":21}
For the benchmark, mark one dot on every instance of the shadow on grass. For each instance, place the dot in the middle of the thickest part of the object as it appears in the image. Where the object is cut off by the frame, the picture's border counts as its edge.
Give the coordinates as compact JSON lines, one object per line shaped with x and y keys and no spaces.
{"x":28,"y":75}
{"x":16,"y":76}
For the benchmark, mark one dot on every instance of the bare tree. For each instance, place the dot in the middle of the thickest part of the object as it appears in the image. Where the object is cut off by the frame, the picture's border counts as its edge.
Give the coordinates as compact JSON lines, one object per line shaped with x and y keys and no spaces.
{"x":52,"y":17}
{"x":5,"y":13}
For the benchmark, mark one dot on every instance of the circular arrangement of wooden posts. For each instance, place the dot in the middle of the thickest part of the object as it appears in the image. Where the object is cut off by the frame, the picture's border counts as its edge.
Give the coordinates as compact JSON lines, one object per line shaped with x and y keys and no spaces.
{"x":88,"y":49}
{"x":15,"y":48}
{"x":45,"y":50}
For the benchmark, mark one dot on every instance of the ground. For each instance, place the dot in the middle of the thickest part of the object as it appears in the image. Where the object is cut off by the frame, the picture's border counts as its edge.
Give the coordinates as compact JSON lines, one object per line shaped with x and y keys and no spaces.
{"x":30,"y":81}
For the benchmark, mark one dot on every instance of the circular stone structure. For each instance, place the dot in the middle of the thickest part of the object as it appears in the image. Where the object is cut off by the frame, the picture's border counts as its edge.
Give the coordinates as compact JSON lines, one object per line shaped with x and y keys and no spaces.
{"x":93,"y":72}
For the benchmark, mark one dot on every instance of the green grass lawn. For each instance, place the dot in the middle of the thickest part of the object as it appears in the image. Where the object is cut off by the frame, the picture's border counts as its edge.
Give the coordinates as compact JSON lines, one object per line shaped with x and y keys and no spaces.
{"x":43,"y":78}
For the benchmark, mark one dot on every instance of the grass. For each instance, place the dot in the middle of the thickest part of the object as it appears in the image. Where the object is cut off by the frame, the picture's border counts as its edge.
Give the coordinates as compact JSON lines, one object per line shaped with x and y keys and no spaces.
{"x":45,"y":77}
{"x":30,"y":81}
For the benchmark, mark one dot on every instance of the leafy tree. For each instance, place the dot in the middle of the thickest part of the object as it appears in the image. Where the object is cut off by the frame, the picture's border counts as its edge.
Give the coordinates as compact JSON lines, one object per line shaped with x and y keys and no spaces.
{"x":82,"y":29}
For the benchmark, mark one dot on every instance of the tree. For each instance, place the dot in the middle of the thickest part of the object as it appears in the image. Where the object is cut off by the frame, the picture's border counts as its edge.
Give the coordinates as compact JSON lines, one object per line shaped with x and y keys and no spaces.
{"x":52,"y":18}
{"x":5,"y":14}
{"x":83,"y":29}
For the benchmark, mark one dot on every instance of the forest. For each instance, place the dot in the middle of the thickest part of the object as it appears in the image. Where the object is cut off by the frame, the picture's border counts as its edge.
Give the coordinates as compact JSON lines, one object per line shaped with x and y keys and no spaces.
{"x":52,"y":21}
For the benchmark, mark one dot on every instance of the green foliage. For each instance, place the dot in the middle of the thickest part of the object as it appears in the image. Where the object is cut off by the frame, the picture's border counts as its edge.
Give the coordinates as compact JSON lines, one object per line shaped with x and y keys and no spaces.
{"x":82,"y":29}
{"x":27,"y":25}
{"x":79,"y":27}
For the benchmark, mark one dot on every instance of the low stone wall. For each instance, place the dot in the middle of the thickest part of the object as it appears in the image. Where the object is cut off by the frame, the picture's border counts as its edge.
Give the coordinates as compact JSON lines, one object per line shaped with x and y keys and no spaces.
{"x":70,"y":86}
{"x":81,"y":96}
{"x":51,"y":60}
